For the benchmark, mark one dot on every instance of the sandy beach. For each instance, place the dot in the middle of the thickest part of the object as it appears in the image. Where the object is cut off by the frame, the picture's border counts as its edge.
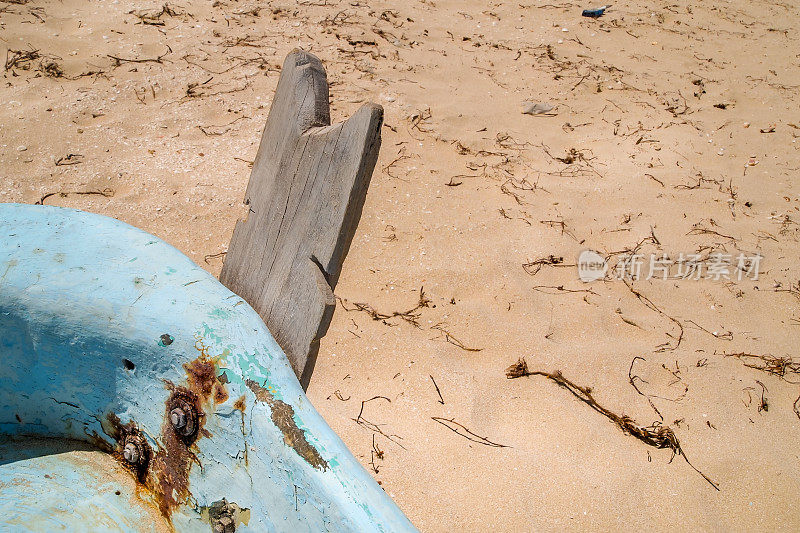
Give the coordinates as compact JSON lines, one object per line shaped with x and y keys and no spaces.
{"x":671,"y":133}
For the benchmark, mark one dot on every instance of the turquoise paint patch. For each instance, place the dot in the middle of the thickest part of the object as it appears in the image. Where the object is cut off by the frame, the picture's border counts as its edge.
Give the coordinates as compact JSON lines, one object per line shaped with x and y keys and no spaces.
{"x":219,"y":313}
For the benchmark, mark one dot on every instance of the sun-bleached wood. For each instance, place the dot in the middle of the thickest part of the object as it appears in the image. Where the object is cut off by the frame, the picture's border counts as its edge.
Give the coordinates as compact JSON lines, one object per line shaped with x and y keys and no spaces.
{"x":306,"y":193}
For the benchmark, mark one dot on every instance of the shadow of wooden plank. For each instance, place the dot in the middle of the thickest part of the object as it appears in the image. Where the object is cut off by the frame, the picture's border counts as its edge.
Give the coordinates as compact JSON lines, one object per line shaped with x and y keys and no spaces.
{"x":306,"y":193}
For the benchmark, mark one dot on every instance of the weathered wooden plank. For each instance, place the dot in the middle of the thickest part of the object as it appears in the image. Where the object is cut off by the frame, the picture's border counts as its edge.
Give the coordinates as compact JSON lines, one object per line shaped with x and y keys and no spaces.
{"x":306,"y":192}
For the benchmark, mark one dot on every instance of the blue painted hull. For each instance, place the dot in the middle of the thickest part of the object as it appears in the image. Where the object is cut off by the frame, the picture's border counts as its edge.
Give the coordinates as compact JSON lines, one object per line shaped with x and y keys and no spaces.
{"x":103,"y":328}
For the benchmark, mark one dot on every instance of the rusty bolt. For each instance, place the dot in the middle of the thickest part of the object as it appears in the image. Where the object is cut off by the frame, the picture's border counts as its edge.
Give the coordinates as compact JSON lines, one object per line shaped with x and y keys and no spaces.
{"x":183,"y":419}
{"x":178,"y":418}
{"x":131,"y":453}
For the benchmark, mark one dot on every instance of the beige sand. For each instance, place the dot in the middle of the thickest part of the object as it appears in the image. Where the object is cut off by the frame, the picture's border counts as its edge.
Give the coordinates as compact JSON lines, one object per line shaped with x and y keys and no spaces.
{"x":634,"y":93}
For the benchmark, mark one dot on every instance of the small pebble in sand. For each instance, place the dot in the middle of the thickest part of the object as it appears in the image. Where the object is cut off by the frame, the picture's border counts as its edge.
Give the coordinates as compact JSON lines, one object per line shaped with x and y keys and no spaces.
{"x":536,"y":108}
{"x":22,"y":148}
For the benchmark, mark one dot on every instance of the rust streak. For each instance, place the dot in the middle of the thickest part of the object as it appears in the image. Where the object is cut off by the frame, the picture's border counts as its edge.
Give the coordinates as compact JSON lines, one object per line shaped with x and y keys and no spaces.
{"x":168,"y":477}
{"x":241,"y":405}
{"x":120,"y":432}
{"x":283,"y":418}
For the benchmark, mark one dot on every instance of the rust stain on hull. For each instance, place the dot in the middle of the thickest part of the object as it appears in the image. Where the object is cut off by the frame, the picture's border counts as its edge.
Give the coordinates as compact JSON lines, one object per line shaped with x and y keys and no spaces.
{"x":122,"y":433}
{"x":283,"y":418}
{"x":202,"y":376}
{"x":165,"y":473}
{"x":168,"y":477}
{"x":240,"y":404}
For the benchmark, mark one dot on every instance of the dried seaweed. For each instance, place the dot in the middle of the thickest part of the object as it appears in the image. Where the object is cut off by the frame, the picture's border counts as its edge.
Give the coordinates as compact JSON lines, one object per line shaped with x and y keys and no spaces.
{"x":777,"y":366}
{"x":159,"y":59}
{"x":411,"y":316}
{"x":153,"y":17}
{"x":213,"y":256}
{"x":375,"y":452}
{"x":20,"y":58}
{"x":656,"y":434}
{"x":51,"y":69}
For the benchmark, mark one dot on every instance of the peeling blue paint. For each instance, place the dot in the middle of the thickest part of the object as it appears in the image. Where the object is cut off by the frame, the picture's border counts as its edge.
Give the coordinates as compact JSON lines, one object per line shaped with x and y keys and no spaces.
{"x":80,"y":338}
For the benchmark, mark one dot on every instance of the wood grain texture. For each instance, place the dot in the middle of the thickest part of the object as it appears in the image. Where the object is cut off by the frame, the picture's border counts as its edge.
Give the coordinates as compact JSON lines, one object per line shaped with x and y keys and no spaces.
{"x":306,"y":192}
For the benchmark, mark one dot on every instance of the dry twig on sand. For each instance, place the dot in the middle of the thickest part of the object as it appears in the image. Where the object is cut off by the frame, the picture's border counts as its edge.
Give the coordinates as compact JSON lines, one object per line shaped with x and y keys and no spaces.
{"x":213,"y":256}
{"x":535,"y":266}
{"x":794,"y":289}
{"x":459,"y":429}
{"x":448,"y":337}
{"x":375,"y":452}
{"x":650,"y":305}
{"x":656,"y":434}
{"x":153,"y":17}
{"x":400,"y":156}
{"x":107,"y":193}
{"x":371,"y":426}
{"x":560,"y":289}
{"x":441,"y":400}
{"x":632,"y":380}
{"x":159,"y":59}
{"x":69,"y":159}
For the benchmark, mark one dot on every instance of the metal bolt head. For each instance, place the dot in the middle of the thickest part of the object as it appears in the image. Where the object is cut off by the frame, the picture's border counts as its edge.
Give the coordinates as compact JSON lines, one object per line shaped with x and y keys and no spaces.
{"x":177,"y":418}
{"x":183,"y":419}
{"x":131,"y":453}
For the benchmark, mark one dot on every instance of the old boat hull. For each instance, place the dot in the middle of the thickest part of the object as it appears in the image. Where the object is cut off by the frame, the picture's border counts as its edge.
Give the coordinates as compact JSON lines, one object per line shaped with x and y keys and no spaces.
{"x":104,"y":330}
